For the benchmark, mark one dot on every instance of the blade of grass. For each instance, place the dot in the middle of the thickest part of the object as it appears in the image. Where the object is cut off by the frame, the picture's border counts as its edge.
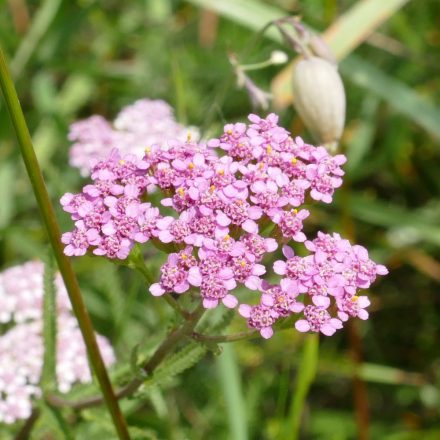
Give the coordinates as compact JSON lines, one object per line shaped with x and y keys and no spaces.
{"x":399,"y":96}
{"x":304,"y":379}
{"x":43,"y":18}
{"x":54,"y":233}
{"x":230,"y":380}
{"x":7,"y":193}
{"x":362,"y":140}
{"x":48,"y":376}
{"x":358,"y":23}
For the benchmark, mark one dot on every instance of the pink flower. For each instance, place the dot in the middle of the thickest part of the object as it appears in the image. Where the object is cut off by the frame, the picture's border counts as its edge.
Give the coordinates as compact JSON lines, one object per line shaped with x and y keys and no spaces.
{"x":222,"y":207}
{"x":318,"y":320}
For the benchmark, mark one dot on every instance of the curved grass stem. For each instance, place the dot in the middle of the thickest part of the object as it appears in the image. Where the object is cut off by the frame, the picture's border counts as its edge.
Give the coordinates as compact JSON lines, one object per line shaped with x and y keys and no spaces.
{"x":53,"y":231}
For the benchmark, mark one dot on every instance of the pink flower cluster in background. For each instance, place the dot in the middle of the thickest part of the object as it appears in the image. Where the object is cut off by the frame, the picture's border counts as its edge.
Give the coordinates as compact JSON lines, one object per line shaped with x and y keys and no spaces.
{"x":21,"y":346}
{"x":145,"y":122}
{"x":236,"y":198}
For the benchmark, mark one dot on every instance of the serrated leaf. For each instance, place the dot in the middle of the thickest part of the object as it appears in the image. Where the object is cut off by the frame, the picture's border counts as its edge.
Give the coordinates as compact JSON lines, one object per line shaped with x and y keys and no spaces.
{"x":177,"y":363}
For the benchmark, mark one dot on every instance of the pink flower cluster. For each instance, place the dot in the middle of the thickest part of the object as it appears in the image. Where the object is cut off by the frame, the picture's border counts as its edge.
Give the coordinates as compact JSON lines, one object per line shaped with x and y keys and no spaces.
{"x":145,"y":122}
{"x":21,"y":346}
{"x":235,"y":199}
{"x":335,"y":270}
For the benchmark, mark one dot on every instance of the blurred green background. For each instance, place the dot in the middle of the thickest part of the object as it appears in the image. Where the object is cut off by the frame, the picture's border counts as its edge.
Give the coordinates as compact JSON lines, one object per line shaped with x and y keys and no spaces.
{"x":378,"y":379}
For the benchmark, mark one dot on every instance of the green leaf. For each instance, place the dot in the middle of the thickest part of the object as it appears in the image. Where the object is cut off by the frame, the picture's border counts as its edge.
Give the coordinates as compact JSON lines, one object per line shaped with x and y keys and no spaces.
{"x":177,"y":363}
{"x":43,"y":19}
{"x":76,"y":91}
{"x":48,"y":376}
{"x":7,"y":193}
{"x":229,"y":374}
{"x":305,"y":376}
{"x":51,"y":424}
{"x":406,"y":227}
{"x":399,"y":96}
{"x":363,"y":138}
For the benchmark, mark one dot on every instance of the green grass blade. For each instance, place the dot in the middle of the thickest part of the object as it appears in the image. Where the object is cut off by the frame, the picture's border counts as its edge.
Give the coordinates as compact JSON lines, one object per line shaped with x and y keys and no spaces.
{"x":43,"y":18}
{"x":249,"y":13}
{"x":355,"y":25}
{"x":48,"y":377}
{"x":7,"y":193}
{"x":399,"y":96}
{"x":229,"y":374}
{"x":53,"y":231}
{"x":304,"y":379}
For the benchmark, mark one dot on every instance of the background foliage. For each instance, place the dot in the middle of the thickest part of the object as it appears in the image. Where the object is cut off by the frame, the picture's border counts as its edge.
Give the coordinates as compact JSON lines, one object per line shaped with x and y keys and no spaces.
{"x":71,"y":59}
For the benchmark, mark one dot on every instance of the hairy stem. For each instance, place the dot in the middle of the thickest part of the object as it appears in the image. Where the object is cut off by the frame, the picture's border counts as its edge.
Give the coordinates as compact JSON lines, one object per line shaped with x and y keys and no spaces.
{"x":53,"y":231}
{"x":176,"y":336}
{"x":225,"y":338}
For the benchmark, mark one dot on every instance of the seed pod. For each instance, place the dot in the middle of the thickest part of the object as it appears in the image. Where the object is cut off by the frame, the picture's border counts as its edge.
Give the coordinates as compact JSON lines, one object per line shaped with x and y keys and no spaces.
{"x":319,"y":98}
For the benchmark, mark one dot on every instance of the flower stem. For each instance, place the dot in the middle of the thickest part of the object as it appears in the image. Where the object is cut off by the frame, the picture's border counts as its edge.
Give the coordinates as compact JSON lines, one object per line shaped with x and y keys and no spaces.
{"x":54,"y":234}
{"x":176,"y":336}
{"x":137,"y":262}
{"x":225,"y":338}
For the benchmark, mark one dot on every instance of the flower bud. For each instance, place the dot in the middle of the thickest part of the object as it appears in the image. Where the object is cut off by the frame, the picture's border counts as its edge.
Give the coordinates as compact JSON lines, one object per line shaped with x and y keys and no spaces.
{"x":278,"y":57}
{"x":319,"y":98}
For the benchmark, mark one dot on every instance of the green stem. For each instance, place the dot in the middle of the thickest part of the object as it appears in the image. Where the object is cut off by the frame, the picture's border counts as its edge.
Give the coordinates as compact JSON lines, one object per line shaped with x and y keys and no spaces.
{"x":225,"y":338}
{"x":176,"y":336}
{"x":53,"y":231}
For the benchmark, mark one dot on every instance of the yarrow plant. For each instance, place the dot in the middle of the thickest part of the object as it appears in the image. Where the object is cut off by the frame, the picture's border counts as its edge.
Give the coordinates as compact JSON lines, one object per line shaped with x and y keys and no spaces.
{"x":235,"y":199}
{"x":21,"y":345}
{"x":146,"y":121}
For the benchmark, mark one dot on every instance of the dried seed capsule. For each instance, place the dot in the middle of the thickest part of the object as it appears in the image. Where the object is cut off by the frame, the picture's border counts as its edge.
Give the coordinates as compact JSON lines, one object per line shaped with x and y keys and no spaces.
{"x":319,"y":98}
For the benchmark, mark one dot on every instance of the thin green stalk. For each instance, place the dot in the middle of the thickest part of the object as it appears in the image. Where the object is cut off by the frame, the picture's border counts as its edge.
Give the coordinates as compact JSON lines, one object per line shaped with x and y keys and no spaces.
{"x":231,"y":383}
{"x":225,"y":338}
{"x":164,"y":349}
{"x":304,"y":379}
{"x":53,"y":231}
{"x":48,"y":374}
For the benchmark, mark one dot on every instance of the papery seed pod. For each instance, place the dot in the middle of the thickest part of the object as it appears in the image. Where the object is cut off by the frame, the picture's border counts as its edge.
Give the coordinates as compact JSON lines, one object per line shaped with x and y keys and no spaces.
{"x":319,"y":98}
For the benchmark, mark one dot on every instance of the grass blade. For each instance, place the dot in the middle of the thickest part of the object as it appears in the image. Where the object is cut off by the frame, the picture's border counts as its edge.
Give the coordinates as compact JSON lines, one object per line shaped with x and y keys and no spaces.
{"x":399,"y":96}
{"x":54,"y":233}
{"x":43,"y":18}
{"x":304,"y":379}
{"x":48,"y":376}
{"x":230,"y":380}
